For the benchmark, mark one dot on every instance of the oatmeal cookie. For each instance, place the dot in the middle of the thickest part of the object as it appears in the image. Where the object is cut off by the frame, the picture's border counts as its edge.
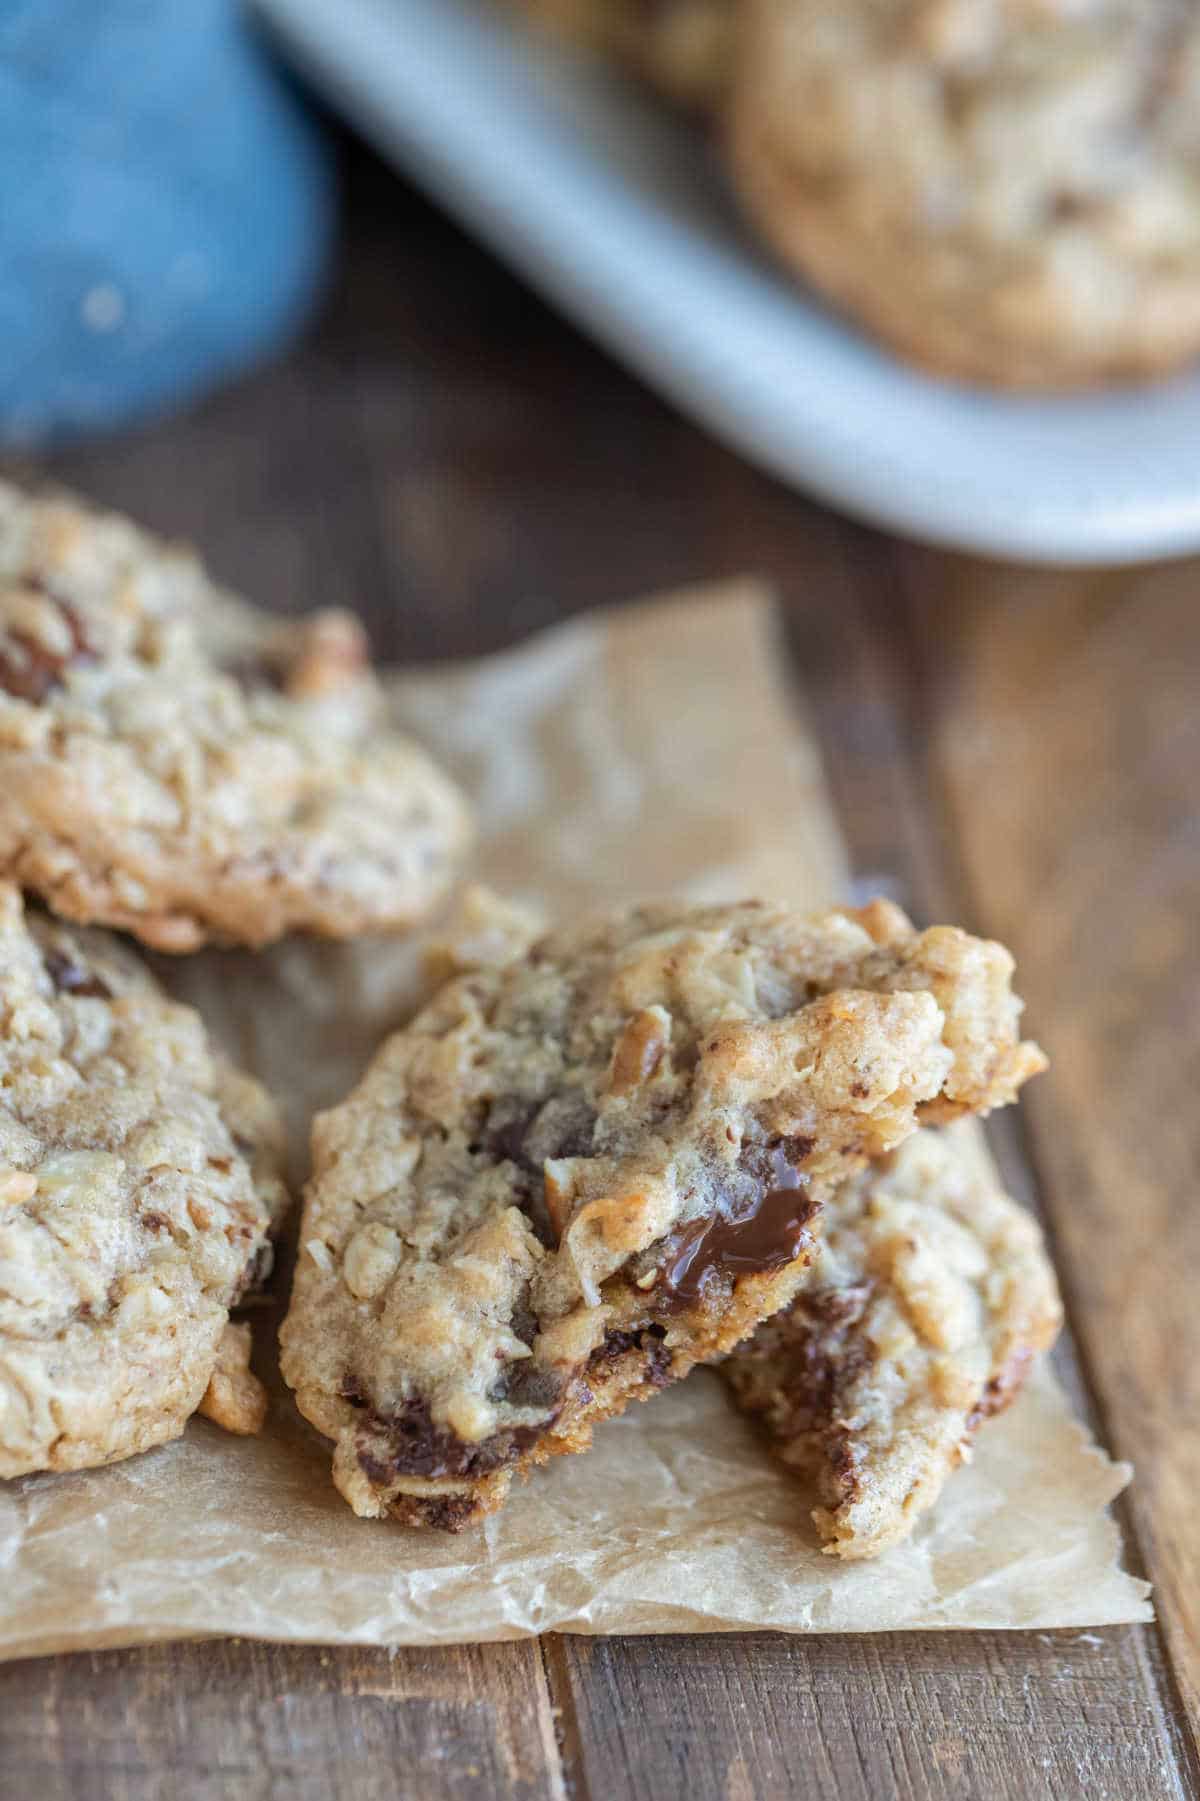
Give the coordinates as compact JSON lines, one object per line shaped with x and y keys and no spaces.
{"x":681,"y":47}
{"x":1005,"y":190}
{"x":181,"y":765}
{"x":573,"y":1177}
{"x":139,"y":1179}
{"x":922,"y":1314}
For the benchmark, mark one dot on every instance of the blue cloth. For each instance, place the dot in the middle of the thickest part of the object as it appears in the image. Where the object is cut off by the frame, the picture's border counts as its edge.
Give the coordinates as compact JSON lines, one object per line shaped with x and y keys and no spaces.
{"x":165,"y":208}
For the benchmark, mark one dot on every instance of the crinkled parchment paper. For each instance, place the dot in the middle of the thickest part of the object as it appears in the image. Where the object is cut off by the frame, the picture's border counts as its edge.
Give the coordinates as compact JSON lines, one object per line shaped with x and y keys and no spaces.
{"x":637,"y":752}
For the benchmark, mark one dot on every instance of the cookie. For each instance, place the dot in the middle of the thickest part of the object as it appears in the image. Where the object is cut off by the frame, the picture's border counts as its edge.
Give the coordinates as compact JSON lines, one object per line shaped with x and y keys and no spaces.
{"x":680,"y":47}
{"x":924,"y":1310}
{"x":183,"y":766}
{"x":1003,"y":190}
{"x":139,"y":1179}
{"x":307,"y":1015}
{"x":574,"y":1176}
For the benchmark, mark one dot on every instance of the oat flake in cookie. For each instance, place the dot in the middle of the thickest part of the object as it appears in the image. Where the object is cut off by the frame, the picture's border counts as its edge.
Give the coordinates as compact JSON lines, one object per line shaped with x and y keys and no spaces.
{"x":572,"y":1178}
{"x":1005,"y":190}
{"x":139,"y":1178}
{"x":186,"y":767}
{"x":922,"y":1315}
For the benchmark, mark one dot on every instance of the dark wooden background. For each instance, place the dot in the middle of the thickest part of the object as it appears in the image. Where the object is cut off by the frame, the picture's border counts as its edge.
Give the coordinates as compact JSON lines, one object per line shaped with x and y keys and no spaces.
{"x":1016,"y":750}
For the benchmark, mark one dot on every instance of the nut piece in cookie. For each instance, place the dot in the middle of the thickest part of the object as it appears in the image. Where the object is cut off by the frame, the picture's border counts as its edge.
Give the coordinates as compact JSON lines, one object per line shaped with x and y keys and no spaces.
{"x":923,"y":1312}
{"x":139,"y":1178}
{"x":181,"y":765}
{"x":1004,"y":191}
{"x":574,"y":1176}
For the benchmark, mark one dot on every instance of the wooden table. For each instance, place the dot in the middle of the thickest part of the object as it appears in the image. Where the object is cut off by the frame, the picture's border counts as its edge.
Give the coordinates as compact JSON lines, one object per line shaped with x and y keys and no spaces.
{"x":1012,"y":749}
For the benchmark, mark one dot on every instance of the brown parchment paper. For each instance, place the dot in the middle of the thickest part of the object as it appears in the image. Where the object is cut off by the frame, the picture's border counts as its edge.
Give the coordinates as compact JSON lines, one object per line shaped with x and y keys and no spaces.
{"x":652,"y":749}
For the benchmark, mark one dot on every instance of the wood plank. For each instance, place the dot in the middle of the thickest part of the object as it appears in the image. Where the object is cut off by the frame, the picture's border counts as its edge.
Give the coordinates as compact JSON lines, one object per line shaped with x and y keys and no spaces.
{"x":200,"y":1722}
{"x":992,"y":1716}
{"x":1068,"y":739}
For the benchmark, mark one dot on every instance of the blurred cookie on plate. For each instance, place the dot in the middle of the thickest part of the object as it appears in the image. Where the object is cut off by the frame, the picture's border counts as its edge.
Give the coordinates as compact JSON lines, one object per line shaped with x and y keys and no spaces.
{"x":1006,"y":191}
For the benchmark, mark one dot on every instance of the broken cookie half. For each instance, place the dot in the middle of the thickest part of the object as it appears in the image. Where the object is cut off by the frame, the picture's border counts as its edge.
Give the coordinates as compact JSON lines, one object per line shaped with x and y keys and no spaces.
{"x":140,"y":1178}
{"x":573,"y":1177}
{"x":925,"y":1309}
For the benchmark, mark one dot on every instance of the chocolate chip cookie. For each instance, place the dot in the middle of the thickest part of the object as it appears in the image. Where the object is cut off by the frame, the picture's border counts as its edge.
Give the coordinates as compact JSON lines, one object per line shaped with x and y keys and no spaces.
{"x":1005,"y":190}
{"x":573,"y":1177}
{"x":923,"y":1312}
{"x":181,"y":765}
{"x":139,"y":1179}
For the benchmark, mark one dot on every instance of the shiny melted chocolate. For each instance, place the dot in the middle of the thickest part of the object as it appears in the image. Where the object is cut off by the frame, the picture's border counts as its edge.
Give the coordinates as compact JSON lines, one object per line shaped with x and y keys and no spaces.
{"x":766,"y":1233}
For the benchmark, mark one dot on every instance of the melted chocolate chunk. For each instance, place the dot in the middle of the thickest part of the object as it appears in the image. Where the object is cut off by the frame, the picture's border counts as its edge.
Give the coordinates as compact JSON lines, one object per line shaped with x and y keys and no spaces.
{"x":648,"y":1340}
{"x":528,"y":1135}
{"x":447,"y":1513}
{"x":70,"y":977}
{"x":405,"y":1442}
{"x":31,"y":670}
{"x":825,"y":1355}
{"x":763,"y":1229}
{"x":524,"y":1383}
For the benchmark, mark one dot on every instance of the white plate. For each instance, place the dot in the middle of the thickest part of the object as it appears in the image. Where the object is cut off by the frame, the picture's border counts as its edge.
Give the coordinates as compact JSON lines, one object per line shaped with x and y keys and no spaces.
{"x":618,"y":213}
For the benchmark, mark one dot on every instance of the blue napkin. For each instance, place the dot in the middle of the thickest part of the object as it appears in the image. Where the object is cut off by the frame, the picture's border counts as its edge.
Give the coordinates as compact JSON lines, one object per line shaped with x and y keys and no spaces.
{"x":165,"y":209}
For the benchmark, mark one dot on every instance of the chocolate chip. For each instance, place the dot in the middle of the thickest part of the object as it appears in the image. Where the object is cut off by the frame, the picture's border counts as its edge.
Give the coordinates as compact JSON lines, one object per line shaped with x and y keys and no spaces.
{"x":838,"y":1306}
{"x":647,"y":1341}
{"x":524,"y":1383}
{"x":826,"y":1356}
{"x":529,"y":1134}
{"x":70,"y":977}
{"x":255,"y":1272}
{"x":761,"y":1224}
{"x":448,"y":1513}
{"x":524,"y":1322}
{"x":405,"y":1442}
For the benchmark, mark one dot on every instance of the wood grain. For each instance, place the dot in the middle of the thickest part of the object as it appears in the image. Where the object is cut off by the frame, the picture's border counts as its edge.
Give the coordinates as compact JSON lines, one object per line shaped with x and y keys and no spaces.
{"x":201,"y":1722}
{"x":987,"y":1715}
{"x":447,"y":457}
{"x":1068,"y":738}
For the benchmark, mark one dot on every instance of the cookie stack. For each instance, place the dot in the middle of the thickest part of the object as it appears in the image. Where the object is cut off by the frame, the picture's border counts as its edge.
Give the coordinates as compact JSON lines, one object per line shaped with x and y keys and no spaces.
{"x":1004,"y":191}
{"x":592,"y":1160}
